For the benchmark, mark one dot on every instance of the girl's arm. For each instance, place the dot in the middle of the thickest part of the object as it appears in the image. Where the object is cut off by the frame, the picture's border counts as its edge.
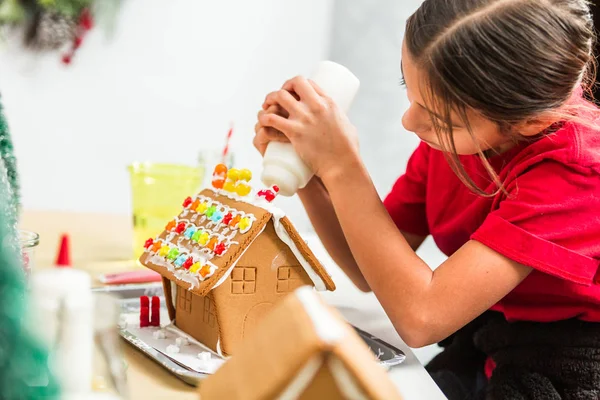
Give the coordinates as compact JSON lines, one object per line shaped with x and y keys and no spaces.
{"x":318,"y":206}
{"x":317,"y":203}
{"x":425,"y":306}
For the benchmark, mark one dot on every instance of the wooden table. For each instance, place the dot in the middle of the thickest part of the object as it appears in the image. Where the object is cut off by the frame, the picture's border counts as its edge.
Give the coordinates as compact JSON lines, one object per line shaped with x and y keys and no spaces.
{"x":102,"y":243}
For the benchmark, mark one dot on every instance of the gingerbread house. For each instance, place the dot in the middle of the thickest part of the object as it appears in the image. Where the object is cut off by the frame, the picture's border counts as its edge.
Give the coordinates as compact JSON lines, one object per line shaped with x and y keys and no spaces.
{"x":227,"y":258}
{"x":301,"y":350}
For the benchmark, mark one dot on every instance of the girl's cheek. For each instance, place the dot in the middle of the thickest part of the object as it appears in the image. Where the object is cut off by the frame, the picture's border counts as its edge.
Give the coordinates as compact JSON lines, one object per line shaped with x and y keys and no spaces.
{"x":413,"y":122}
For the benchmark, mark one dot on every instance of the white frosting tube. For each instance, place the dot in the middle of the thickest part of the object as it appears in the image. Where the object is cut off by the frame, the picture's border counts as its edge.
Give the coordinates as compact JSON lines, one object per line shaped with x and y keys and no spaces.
{"x":281,"y":165}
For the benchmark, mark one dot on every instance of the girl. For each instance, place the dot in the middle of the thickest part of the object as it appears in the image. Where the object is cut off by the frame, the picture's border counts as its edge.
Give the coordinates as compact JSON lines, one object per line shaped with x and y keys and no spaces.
{"x":506,"y":180}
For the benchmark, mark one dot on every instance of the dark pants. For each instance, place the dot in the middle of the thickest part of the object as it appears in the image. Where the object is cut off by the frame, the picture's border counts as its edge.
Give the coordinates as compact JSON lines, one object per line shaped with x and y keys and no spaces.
{"x":458,"y":369}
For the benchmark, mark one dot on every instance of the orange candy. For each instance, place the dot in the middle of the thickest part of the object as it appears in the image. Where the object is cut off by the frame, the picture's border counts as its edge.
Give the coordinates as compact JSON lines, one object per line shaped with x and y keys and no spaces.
{"x":212,"y":243}
{"x":195,"y":204}
{"x":235,"y":220}
{"x":220,"y":169}
{"x":170,"y":225}
{"x":218,"y":183}
{"x":205,"y":270}
{"x":156,"y":246}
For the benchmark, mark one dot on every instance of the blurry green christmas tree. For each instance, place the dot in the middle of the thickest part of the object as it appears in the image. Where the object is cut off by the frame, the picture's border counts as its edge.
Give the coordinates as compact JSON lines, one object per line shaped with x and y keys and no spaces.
{"x":24,"y":372}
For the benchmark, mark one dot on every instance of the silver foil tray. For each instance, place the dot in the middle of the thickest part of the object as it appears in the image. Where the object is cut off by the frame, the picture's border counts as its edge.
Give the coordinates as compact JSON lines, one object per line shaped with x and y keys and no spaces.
{"x":129,"y":295}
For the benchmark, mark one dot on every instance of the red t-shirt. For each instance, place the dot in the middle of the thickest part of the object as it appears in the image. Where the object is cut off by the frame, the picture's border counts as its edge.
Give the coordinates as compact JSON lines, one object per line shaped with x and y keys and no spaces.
{"x":550,"y":221}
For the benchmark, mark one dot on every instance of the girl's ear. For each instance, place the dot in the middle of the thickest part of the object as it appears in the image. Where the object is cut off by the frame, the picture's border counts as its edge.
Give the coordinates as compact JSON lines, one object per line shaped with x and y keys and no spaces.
{"x":535,"y":126}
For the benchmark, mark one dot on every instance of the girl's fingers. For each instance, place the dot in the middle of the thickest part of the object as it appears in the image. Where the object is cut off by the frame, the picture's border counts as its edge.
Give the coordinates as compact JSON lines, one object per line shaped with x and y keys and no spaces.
{"x":283,"y":125}
{"x":317,"y":88}
{"x":304,"y":90}
{"x":283,"y":99}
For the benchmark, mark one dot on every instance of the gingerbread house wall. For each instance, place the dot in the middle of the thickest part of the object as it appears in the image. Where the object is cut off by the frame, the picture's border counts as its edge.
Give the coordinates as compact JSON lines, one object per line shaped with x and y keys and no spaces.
{"x":322,"y":386}
{"x":197,"y":316}
{"x":266,"y":273}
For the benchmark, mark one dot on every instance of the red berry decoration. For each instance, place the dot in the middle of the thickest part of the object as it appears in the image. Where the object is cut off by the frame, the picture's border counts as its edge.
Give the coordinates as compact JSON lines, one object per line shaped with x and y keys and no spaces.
{"x":149,"y":243}
{"x":276,"y":188}
{"x":187,"y":201}
{"x":270,"y":196}
{"x":227,"y":218}
{"x":188,"y":263}
{"x":66,"y":59}
{"x":220,"y":249}
{"x":180,"y":227}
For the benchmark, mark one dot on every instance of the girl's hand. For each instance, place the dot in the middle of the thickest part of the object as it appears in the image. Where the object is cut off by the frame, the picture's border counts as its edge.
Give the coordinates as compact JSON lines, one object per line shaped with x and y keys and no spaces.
{"x":321,"y":134}
{"x":264,"y":135}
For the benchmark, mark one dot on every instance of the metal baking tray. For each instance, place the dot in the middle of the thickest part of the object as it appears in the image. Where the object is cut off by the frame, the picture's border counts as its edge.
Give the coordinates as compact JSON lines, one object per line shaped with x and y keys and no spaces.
{"x":129,"y":295}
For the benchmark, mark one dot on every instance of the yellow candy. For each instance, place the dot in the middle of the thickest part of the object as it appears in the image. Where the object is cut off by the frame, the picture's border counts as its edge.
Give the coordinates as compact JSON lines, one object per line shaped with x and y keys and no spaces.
{"x":201,"y":208}
{"x":164,"y":251}
{"x":233,"y":174}
{"x":246,"y":175}
{"x":195,"y":267}
{"x":229,"y":186}
{"x":203,"y":238}
{"x":244,"y":224}
{"x":242,"y":189}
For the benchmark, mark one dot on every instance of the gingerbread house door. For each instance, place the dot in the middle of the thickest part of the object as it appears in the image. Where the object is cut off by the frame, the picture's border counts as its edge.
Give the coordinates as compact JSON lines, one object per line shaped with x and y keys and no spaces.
{"x":255,"y":315}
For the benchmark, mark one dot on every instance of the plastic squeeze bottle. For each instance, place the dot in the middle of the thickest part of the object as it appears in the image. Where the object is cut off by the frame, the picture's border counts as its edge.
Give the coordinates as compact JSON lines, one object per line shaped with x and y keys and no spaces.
{"x":282,"y":167}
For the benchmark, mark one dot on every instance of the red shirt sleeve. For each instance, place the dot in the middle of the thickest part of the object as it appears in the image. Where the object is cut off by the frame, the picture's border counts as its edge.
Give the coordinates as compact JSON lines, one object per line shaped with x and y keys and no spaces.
{"x":550,"y":221}
{"x":406,"y":202}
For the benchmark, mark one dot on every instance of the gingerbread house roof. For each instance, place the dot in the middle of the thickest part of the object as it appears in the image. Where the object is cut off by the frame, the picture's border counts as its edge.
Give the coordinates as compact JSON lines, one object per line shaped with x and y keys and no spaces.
{"x":202,"y":245}
{"x":280,"y":358}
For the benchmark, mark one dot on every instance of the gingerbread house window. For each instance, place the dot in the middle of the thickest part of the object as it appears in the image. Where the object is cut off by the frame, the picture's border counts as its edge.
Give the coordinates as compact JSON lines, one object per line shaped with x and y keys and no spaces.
{"x":288,"y":278}
{"x":184,"y":298}
{"x":243,"y":280}
{"x":209,"y":315}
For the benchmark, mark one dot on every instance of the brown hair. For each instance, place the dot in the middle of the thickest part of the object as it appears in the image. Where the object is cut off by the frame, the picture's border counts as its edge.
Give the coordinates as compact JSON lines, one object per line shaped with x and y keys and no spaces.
{"x":509,"y":60}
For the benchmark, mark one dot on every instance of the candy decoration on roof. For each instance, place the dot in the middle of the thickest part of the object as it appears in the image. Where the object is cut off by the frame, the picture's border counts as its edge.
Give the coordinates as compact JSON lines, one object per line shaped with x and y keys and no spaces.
{"x":171,"y":225}
{"x":243,"y":189}
{"x":187,"y":201}
{"x":195,"y":267}
{"x":204,"y":271}
{"x":180,"y":260}
{"x":219,"y":175}
{"x":164,"y":251}
{"x":269,"y":194}
{"x":244,"y":224}
{"x":188,"y":263}
{"x":202,"y":207}
{"x":180,"y":227}
{"x":173,"y":253}
{"x":227,"y":218}
{"x":190,"y":231}
{"x":156,"y":246}
{"x":149,"y":243}
{"x":220,"y":249}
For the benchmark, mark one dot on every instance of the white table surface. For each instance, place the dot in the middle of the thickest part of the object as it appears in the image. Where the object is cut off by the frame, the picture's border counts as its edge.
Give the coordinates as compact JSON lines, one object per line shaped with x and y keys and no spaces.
{"x":364,"y":311}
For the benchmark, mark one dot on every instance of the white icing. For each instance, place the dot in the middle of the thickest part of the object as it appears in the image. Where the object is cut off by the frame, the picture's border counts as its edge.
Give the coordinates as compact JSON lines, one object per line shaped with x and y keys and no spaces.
{"x":302,"y":380}
{"x":346,"y":383}
{"x":159,"y":334}
{"x":182,"y":341}
{"x":219,"y":351}
{"x":204,"y":356}
{"x":172,"y":349}
{"x":286,"y":238}
{"x":329,"y":329}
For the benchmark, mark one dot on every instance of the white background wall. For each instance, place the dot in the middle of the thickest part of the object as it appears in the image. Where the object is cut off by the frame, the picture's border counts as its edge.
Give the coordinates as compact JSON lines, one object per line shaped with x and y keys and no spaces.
{"x":165,"y":88}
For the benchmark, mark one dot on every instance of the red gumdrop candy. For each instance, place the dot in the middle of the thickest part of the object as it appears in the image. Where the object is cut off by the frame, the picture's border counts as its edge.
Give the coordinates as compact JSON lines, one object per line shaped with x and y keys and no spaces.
{"x":149,"y":243}
{"x":180,"y":227}
{"x":262,"y":193}
{"x":188,"y":263}
{"x":276,"y":188}
{"x":220,"y":249}
{"x":227,"y":218}
{"x":269,"y":196}
{"x":187,"y":201}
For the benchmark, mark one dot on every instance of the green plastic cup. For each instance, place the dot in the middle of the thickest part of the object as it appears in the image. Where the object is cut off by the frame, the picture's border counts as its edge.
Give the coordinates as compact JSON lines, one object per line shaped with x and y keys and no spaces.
{"x":157,"y":192}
